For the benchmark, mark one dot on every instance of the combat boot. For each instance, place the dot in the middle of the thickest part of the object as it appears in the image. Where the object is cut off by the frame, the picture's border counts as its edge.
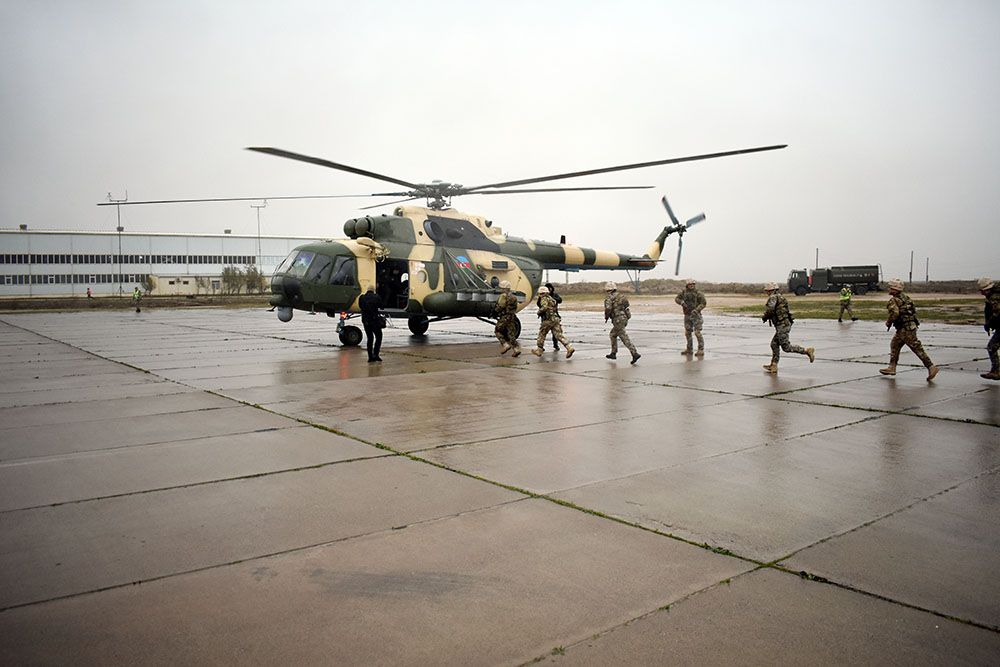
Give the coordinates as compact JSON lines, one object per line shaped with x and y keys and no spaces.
{"x":700,"y":352}
{"x":635,"y":357}
{"x":854,"y":319}
{"x":517,"y":351}
{"x":888,"y":370}
{"x":569,"y":351}
{"x":992,"y":375}
{"x":611,"y":356}
{"x":504,"y":347}
{"x":932,"y":371}
{"x":687,"y":351}
{"x":811,"y":353}
{"x":537,"y":351}
{"x":771,"y":368}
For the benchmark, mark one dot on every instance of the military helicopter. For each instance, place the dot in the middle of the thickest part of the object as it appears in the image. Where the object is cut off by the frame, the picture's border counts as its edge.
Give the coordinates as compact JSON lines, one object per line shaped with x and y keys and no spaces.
{"x":432,"y":263}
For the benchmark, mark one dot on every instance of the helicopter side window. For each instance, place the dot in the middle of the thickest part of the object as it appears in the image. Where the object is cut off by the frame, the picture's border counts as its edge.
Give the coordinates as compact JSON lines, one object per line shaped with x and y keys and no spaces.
{"x":301,"y":263}
{"x":319,"y":270}
{"x":343,"y":271}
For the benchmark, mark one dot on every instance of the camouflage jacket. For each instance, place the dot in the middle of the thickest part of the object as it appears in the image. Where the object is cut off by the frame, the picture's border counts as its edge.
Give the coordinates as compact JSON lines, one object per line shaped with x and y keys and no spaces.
{"x":548,"y":309}
{"x":691,"y":300}
{"x":777,"y":311}
{"x":616,"y":307}
{"x":991,"y":311}
{"x":506,"y":306}
{"x":902,"y":313}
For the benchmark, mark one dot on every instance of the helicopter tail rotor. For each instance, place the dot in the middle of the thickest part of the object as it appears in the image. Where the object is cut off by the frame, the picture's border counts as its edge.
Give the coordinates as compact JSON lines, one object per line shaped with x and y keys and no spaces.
{"x":680,"y":229}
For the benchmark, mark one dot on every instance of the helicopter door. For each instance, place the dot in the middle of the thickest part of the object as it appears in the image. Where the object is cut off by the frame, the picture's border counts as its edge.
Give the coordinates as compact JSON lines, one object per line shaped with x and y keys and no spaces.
{"x":392,"y":282}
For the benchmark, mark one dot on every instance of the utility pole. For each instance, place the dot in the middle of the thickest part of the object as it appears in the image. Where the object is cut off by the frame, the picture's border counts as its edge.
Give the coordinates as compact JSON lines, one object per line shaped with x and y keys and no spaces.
{"x":259,"y":206}
{"x":911,"y":267}
{"x":118,"y":208}
{"x":927,"y":271}
{"x":817,"y":258}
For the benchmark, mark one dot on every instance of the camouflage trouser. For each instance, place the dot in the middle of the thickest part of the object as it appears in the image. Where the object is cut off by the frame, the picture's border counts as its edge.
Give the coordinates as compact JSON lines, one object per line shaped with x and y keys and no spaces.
{"x":506,"y":330}
{"x":993,"y":347}
{"x":692,"y":323}
{"x":781,"y":342}
{"x":555,"y":326}
{"x":618,"y":325}
{"x":845,"y":305}
{"x":907,"y":337}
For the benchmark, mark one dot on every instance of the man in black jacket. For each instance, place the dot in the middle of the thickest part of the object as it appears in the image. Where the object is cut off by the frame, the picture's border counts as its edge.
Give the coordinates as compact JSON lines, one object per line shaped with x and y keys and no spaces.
{"x":370,"y":303}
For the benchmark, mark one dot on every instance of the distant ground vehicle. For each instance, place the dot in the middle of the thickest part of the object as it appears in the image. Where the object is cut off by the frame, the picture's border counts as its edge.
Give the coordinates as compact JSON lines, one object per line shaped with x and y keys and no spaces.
{"x":859,"y":278}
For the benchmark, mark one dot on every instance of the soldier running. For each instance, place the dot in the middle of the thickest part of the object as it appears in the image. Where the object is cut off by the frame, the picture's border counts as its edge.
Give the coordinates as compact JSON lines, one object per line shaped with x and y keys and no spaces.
{"x":507,"y":323}
{"x":991,"y":316}
{"x":845,"y":304}
{"x":692,"y":302}
{"x":776,"y":312}
{"x":616,"y":310}
{"x":548,"y":310}
{"x":903,"y":316}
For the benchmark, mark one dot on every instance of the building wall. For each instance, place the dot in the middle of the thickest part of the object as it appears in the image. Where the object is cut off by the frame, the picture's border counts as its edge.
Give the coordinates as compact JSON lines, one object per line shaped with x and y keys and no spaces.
{"x":48,"y":263}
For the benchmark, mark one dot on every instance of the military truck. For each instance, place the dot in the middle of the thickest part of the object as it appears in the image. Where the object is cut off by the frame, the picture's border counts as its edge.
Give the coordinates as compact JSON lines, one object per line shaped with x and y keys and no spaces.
{"x":859,"y":278}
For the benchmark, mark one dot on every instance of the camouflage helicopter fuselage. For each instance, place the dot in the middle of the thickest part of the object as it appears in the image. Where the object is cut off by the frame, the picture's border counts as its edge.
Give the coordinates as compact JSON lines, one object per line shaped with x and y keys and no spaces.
{"x":454,"y":263}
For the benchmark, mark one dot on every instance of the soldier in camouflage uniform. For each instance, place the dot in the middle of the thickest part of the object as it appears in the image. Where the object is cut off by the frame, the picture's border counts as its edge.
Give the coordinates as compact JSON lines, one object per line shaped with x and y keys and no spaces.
{"x":776,"y":312}
{"x":903,"y":316}
{"x":991,"y":315}
{"x":507,"y":322}
{"x":548,"y":311}
{"x":616,"y":310}
{"x":693,"y":302}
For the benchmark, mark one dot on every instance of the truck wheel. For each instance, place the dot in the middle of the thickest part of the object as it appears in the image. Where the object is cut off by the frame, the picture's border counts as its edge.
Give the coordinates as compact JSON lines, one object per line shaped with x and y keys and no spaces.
{"x":351,"y":336}
{"x":418,"y":324}
{"x":861,"y":290}
{"x":801,"y":291}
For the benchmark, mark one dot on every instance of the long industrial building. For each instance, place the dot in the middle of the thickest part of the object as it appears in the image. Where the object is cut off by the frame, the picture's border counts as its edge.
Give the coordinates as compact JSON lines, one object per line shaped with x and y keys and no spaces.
{"x":67,"y":263}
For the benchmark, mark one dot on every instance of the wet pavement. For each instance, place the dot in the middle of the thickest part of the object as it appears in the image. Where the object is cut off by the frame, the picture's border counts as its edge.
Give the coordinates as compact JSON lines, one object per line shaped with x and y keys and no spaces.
{"x":216,"y":486}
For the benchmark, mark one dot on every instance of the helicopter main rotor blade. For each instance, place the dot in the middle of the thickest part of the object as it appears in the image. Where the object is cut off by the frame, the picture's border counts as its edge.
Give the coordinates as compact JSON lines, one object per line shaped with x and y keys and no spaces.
{"x":670,"y":211}
{"x":611,"y":187}
{"x":388,"y":203}
{"x":680,"y":246}
{"x":215,"y":199}
{"x":326,"y":163}
{"x":695,"y":220}
{"x":638,"y":165}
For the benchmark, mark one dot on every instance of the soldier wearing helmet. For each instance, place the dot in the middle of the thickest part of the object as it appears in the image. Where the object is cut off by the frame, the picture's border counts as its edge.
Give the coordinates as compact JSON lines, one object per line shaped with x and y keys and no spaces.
{"x":616,"y":310}
{"x":508,"y":326}
{"x":777,"y":313}
{"x":692,"y":302}
{"x":845,"y":304}
{"x":991,"y":321}
{"x":548,"y":311}
{"x":903,"y":316}
{"x":538,"y":302}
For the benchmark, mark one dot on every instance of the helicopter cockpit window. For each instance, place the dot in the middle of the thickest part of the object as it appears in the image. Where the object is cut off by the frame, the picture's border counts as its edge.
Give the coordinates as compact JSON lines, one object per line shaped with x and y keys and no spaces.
{"x":319,"y":270}
{"x":287,"y":263}
{"x":301,"y":263}
{"x":344,"y":269}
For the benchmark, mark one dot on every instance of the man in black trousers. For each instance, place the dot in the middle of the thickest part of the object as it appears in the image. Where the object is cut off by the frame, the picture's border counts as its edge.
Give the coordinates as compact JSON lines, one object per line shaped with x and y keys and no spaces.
{"x":370,"y":303}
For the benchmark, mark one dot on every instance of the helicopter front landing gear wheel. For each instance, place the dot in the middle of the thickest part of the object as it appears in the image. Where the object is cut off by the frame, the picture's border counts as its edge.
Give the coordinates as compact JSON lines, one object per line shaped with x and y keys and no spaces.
{"x":418,"y":324}
{"x":517,"y":328}
{"x":351,"y":336}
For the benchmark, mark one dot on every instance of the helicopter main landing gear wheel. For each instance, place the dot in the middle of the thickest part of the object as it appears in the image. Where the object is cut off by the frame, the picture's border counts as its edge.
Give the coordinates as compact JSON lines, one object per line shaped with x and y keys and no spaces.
{"x":517,"y":328}
{"x":351,"y":336}
{"x":418,"y":324}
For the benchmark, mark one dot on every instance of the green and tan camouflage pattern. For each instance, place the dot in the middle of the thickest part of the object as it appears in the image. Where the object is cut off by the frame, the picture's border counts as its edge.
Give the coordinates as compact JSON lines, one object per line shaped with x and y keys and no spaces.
{"x":491,"y":255}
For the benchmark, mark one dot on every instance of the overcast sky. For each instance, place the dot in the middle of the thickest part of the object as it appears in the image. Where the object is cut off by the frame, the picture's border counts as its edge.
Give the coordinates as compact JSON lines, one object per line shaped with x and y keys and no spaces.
{"x":890,"y":109}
